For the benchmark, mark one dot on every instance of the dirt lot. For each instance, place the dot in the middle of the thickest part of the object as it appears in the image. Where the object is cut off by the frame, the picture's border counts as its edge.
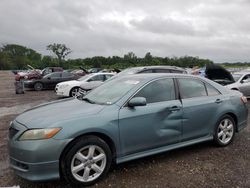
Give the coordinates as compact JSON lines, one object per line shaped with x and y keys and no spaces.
{"x":201,"y":165}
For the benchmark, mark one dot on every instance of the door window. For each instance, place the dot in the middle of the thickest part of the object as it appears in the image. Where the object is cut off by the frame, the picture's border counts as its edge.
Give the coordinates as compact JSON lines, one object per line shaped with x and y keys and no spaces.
{"x":190,"y":88}
{"x":157,"y":91}
{"x":97,"y":78}
{"x":211,"y":91}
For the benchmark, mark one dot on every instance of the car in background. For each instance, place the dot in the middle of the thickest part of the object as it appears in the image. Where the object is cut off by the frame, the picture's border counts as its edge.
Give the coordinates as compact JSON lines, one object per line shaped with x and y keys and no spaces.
{"x":49,"y":81}
{"x":71,"y":88}
{"x":94,"y":70}
{"x":242,"y":83}
{"x":214,"y":72}
{"x":218,"y":74}
{"x":36,"y":73}
{"x":86,"y":87}
{"x":152,"y":69}
{"x":140,"y":116}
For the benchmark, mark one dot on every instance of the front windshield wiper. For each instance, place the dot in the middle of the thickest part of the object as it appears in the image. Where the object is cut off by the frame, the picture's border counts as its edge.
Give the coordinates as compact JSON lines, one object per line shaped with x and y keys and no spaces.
{"x":88,"y":100}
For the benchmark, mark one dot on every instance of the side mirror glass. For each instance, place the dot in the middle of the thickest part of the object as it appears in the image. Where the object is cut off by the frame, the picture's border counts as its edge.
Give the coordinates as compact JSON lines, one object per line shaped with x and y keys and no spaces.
{"x":137,"y":101}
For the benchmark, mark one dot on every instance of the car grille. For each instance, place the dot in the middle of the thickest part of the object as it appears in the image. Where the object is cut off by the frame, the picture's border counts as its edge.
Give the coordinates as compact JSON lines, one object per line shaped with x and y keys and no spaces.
{"x":12,"y":132}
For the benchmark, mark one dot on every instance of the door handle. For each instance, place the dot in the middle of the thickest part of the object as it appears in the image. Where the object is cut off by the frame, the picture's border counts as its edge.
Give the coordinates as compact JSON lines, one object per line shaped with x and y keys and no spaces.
{"x":218,"y":101}
{"x":174,"y":108}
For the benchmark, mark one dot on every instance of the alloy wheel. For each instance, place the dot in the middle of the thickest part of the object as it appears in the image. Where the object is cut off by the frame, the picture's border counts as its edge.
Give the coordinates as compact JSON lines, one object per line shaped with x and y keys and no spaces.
{"x":88,"y":163}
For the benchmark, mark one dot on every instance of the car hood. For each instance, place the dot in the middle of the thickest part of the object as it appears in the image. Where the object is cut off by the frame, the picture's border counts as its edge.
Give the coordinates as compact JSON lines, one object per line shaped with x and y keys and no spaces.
{"x":219,"y":74}
{"x":71,"y":82}
{"x":46,"y":115}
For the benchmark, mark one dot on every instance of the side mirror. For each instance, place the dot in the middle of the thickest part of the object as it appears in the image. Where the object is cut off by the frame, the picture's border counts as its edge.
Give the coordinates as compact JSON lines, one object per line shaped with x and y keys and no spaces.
{"x":48,"y":78}
{"x":137,"y":101}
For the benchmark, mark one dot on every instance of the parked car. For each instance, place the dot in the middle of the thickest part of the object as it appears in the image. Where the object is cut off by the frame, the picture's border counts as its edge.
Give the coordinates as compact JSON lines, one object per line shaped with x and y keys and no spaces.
{"x":49,"y":81}
{"x":36,"y":73}
{"x":242,"y":83}
{"x":71,"y":88}
{"x":123,"y":119}
{"x":86,"y":87}
{"x":94,"y":70}
{"x":152,"y":69}
{"x":214,"y":72}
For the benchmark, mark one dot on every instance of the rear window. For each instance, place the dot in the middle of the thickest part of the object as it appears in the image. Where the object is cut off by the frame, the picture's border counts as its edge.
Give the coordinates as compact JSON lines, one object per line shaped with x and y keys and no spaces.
{"x":190,"y":88}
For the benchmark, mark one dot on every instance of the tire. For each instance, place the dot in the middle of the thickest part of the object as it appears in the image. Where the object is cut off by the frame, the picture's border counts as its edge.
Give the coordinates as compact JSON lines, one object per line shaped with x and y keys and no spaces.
{"x":38,"y":86}
{"x":74,"y":91}
{"x":224,"y":131}
{"x":86,"y":162}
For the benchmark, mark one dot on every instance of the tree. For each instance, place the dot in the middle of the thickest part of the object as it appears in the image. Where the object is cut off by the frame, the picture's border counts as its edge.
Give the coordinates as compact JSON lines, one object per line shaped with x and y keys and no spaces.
{"x":19,"y":56}
{"x":148,"y":58}
{"x":60,"y":50}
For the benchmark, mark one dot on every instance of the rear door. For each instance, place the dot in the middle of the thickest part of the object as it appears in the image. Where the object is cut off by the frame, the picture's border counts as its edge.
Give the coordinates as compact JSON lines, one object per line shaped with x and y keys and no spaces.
{"x":159,"y":123}
{"x":200,"y":101}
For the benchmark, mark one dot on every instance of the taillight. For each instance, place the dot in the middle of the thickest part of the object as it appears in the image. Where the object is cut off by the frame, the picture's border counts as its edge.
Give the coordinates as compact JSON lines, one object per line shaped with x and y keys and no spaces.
{"x":243,"y":100}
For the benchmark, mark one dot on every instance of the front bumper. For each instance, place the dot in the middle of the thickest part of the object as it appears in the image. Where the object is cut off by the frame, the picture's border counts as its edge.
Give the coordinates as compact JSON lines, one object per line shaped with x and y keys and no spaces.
{"x":36,"y":160}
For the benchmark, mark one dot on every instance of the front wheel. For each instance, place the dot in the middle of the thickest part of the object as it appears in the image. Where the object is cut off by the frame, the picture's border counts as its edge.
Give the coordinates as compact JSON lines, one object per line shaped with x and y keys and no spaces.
{"x":87,"y":161}
{"x":74,"y":92}
{"x":225,"y":131}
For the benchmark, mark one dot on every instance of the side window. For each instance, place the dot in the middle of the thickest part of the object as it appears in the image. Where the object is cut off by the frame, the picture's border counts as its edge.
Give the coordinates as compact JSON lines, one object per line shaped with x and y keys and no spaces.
{"x":97,"y":78}
{"x":246,"y":78}
{"x":56,"y":75}
{"x":157,"y":91}
{"x":146,"y":71}
{"x":211,"y":91}
{"x":176,"y":71}
{"x":108,"y":76}
{"x":66,"y":74}
{"x":190,"y":88}
{"x":161,"y":71}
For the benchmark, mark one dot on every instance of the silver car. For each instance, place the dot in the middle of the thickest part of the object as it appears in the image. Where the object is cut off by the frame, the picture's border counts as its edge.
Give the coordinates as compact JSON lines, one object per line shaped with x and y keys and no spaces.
{"x":242,"y":83}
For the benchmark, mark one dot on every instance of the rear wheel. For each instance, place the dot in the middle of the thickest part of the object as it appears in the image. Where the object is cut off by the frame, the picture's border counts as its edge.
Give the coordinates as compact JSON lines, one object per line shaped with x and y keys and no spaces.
{"x":38,"y":86}
{"x":225,"y":131}
{"x":87,"y":161}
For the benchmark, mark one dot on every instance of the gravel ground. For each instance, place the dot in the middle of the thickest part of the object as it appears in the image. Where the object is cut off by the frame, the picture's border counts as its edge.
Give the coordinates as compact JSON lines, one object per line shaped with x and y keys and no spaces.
{"x":202,"y":165}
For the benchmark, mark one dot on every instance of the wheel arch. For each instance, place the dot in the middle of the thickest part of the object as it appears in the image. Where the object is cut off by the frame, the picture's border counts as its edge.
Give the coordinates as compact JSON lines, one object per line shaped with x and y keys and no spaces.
{"x":234,"y":118}
{"x":102,"y":136}
{"x":70,"y":91}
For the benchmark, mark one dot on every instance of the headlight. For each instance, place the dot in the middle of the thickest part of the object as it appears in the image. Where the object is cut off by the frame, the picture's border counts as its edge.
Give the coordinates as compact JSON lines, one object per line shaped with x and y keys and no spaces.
{"x":63,"y":86}
{"x":39,"y":134}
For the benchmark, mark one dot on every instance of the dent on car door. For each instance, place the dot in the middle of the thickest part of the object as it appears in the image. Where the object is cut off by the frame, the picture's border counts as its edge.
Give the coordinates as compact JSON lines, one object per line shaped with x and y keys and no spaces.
{"x":154,"y":125}
{"x":201,"y":103}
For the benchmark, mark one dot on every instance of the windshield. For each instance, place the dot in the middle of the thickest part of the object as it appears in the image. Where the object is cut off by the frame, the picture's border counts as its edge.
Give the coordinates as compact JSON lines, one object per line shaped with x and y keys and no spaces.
{"x":85,"y":77}
{"x":112,"y":91}
{"x":237,"y":77}
{"x":129,"y":71}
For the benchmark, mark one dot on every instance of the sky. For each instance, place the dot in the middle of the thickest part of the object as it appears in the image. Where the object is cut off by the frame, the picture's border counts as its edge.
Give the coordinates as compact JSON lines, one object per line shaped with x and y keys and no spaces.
{"x":214,"y":29}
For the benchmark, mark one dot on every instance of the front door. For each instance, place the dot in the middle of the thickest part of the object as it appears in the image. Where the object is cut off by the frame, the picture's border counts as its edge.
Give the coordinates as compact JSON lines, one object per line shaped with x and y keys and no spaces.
{"x":157,"y":124}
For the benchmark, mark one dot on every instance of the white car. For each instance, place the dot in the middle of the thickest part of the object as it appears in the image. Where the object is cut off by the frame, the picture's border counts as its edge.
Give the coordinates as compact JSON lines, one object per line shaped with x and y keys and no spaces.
{"x":71,"y":88}
{"x":242,"y":83}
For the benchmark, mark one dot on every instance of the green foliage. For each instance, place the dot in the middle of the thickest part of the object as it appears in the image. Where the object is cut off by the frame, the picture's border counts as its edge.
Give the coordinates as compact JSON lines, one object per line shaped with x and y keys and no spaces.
{"x":60,"y":50}
{"x":14,"y":56}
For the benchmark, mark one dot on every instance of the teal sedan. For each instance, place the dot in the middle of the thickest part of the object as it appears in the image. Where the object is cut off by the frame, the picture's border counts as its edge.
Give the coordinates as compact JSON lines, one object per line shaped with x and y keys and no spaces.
{"x":126,"y":118}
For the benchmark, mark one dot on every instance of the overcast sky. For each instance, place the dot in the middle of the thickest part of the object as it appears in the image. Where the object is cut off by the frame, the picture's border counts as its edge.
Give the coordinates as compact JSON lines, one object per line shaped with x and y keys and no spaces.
{"x":214,"y":29}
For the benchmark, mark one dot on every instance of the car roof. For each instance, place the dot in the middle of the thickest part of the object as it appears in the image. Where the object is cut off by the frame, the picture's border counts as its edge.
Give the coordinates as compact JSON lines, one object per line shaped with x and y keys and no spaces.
{"x":158,"y":67}
{"x":148,"y":76}
{"x":97,"y":73}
